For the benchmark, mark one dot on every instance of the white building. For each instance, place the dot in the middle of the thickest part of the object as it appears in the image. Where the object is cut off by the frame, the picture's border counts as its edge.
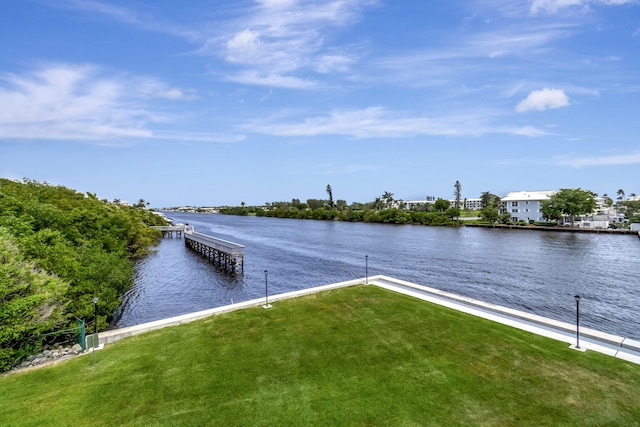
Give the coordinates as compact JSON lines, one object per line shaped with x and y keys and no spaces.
{"x":525,"y":205}
{"x":473,"y":204}
{"x":467,"y":204}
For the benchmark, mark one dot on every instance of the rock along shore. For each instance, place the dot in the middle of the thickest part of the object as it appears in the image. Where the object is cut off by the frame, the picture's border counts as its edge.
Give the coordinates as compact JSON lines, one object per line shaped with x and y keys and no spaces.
{"x":47,"y":357}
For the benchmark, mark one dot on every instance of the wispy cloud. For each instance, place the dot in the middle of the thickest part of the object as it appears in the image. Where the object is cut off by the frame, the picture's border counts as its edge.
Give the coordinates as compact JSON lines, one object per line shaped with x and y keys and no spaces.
{"x":79,"y":102}
{"x":114,"y":12}
{"x":553,"y":6}
{"x":544,"y":99}
{"x":617,"y":160}
{"x":130,"y":16}
{"x":530,"y":131}
{"x":476,"y":54}
{"x":257,"y":78}
{"x":284,"y":43}
{"x":379,"y":122}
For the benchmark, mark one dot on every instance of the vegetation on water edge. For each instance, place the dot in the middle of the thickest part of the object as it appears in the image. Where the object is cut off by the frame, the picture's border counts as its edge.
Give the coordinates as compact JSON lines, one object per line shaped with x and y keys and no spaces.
{"x":354,"y":356}
{"x":386,"y":216}
{"x":59,"y":249}
{"x":383,"y":209}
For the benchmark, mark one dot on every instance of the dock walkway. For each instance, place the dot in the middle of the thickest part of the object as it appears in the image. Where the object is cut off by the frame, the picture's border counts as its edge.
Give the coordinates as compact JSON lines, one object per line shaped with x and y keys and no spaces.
{"x":227,"y":256}
{"x":168,"y":230}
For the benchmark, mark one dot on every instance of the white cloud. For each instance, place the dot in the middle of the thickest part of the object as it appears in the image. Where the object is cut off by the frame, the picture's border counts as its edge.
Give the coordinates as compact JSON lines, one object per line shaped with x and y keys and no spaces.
{"x":334,"y":62}
{"x":151,"y":88}
{"x":529,"y":131}
{"x":543,"y":100}
{"x":244,"y":47}
{"x":254,"y":77}
{"x":77,"y":102}
{"x":277,"y":4}
{"x":287,"y":38}
{"x":623,"y":159}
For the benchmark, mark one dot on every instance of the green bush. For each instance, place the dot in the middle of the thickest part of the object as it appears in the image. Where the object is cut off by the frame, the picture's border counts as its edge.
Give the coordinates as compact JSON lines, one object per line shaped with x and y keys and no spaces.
{"x":60,"y":249}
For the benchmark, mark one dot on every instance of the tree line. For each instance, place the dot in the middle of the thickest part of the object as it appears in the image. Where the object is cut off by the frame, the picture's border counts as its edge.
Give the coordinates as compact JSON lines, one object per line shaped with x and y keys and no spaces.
{"x":60,"y":249}
{"x":384,"y":209}
{"x":565,"y":203}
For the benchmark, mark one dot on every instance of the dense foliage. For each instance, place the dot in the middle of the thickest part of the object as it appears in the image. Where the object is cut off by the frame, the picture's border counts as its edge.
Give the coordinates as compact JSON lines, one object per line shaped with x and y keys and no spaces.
{"x":632,"y":210}
{"x":58,"y":250}
{"x":569,"y":201}
{"x":387,"y":216}
{"x":384,"y":209}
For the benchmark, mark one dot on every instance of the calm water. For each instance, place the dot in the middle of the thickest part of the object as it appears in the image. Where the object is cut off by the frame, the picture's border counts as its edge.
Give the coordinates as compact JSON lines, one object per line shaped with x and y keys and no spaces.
{"x":537,"y":272}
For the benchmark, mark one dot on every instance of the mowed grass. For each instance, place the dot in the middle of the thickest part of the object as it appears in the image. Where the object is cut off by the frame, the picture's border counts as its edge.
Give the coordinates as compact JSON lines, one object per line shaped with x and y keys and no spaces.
{"x":353,"y":356}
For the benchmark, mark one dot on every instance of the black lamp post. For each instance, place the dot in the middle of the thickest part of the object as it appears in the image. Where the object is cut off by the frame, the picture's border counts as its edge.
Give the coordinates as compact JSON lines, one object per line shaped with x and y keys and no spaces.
{"x":95,"y":312}
{"x":95,"y":320}
{"x":266,"y":290}
{"x":577,"y":297}
{"x":366,"y":269}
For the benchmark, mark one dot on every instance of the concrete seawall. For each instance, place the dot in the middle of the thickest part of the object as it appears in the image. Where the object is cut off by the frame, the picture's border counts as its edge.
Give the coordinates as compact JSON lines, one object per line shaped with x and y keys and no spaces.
{"x":590,"y":339}
{"x":561,"y":229}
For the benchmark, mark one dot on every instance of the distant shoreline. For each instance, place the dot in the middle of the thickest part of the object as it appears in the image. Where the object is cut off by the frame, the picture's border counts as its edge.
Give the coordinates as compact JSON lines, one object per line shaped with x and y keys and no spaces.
{"x":557,"y":228}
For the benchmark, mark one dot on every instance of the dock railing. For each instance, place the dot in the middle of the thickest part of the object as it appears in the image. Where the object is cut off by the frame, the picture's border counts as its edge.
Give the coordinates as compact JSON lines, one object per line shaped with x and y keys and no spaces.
{"x":225,"y":246}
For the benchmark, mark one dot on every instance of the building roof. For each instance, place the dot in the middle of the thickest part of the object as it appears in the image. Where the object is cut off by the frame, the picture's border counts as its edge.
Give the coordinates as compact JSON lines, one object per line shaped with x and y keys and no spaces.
{"x":516,"y":196}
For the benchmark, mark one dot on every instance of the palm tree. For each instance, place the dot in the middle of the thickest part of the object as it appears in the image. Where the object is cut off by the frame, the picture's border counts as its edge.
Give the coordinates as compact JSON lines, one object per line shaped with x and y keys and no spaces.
{"x":485,"y":197}
{"x":620,"y":194}
{"x":330,"y":193}
{"x":457,"y":187}
{"x":388,"y":198}
{"x":377,"y":203}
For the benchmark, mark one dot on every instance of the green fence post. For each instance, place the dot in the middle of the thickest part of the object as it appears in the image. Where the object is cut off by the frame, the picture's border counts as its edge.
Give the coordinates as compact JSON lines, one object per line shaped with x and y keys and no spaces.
{"x":80,"y":325}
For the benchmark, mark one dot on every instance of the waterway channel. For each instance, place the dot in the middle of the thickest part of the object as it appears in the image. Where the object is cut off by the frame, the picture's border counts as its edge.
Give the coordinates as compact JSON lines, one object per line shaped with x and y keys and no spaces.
{"x":537,"y":272}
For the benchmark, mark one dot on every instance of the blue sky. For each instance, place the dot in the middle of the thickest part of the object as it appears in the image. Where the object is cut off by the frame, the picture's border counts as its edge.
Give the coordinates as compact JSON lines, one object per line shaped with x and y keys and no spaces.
{"x":221,"y":102}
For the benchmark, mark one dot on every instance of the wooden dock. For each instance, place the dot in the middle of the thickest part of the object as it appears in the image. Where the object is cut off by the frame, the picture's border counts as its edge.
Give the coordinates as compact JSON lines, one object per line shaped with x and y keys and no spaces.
{"x":225,"y":255}
{"x":169,"y":230}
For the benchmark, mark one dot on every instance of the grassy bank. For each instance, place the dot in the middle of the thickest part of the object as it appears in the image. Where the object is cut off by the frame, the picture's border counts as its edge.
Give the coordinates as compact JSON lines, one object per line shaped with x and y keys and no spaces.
{"x":354,"y":356}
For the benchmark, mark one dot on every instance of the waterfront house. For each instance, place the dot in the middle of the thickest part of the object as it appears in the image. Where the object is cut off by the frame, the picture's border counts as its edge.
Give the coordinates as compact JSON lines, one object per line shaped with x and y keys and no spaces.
{"x":525,"y":205}
{"x":587,"y":221}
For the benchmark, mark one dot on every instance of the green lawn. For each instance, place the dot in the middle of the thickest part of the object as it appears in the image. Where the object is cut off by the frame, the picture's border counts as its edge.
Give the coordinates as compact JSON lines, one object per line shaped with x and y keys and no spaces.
{"x":353,"y":356}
